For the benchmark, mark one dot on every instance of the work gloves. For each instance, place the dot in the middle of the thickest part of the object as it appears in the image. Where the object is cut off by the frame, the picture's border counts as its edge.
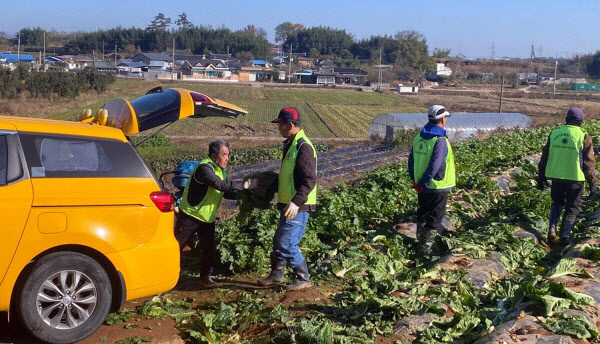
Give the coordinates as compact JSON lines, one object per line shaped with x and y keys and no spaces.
{"x":418,"y":187}
{"x":290,"y":211}
{"x":542,"y":183}
{"x":253,"y":183}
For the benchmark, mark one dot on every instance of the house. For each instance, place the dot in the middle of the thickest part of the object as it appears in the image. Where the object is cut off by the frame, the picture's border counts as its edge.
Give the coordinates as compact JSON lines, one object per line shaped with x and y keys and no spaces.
{"x":305,"y":76}
{"x":306,"y":62}
{"x":81,"y":61}
{"x":353,"y":76}
{"x":129,"y":68}
{"x":547,"y":79}
{"x":64,"y":62}
{"x":9,"y":58}
{"x":205,"y":69}
{"x":325,"y":77}
{"x":102,"y":66}
{"x":252,"y":73}
{"x":441,"y":70}
{"x":147,"y":58}
{"x":260,"y":63}
{"x":325,"y":64}
{"x":407,"y":89}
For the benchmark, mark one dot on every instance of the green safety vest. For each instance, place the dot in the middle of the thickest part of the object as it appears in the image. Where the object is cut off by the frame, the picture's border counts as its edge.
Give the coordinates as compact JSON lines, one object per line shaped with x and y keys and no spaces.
{"x":564,"y":160}
{"x":422,"y":150}
{"x":286,"y":190}
{"x":206,"y":210}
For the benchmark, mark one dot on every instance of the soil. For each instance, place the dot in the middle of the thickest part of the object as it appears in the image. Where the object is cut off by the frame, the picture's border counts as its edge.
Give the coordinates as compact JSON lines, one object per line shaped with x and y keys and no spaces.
{"x":163,"y":330}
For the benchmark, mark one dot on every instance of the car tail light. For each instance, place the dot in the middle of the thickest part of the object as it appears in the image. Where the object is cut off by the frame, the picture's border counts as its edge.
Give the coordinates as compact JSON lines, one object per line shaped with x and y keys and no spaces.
{"x":163,"y":200}
{"x":199,"y":98}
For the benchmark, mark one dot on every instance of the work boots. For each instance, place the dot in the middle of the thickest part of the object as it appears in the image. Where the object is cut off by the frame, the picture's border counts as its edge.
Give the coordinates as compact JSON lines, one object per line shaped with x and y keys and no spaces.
{"x":566,"y":230}
{"x":277,"y":275}
{"x":208,"y":283}
{"x":425,"y":238}
{"x":555,"y":211}
{"x":302,"y":278}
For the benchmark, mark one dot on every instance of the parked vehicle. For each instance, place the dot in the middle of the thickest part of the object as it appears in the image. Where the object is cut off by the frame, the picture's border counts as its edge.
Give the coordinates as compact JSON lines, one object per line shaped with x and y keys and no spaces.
{"x":85,"y":223}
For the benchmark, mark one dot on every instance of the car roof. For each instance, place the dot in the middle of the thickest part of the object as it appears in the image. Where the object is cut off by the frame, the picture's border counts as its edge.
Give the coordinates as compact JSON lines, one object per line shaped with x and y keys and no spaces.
{"x":42,"y":125}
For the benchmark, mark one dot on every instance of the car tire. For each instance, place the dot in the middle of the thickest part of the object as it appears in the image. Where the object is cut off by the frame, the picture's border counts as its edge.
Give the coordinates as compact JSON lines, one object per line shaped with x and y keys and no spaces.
{"x":65,"y":297}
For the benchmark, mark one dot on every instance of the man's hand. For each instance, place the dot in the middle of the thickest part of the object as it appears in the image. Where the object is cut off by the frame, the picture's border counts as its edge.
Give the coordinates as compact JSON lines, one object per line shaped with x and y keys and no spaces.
{"x":253,"y":183}
{"x":542,"y":183}
{"x":418,"y":188}
{"x":290,"y":211}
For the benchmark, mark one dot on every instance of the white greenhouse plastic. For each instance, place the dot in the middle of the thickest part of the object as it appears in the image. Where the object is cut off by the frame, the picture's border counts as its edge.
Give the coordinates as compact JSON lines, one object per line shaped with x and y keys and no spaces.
{"x":460,"y":125}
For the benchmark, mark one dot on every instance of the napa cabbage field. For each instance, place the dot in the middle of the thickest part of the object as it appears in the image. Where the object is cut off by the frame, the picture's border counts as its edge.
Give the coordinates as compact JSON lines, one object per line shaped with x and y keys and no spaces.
{"x":491,"y":278}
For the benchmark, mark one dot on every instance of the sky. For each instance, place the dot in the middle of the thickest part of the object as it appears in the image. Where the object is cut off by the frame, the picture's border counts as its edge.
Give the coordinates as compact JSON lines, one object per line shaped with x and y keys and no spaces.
{"x":472,"y":28}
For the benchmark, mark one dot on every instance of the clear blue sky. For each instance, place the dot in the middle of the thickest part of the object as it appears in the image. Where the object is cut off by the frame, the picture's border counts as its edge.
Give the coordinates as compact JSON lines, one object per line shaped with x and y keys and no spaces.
{"x":470,"y":27}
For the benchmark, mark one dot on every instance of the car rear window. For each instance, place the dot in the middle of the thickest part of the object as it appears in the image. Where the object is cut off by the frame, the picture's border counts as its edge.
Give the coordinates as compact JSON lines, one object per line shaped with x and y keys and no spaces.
{"x":57,"y":156}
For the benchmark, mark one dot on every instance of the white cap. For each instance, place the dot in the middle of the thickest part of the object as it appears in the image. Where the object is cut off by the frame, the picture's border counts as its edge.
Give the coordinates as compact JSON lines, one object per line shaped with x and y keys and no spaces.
{"x":437,"y":112}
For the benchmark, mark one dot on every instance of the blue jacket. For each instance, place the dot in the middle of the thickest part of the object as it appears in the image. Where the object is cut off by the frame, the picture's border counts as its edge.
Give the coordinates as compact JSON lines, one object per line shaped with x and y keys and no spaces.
{"x":437,"y":163}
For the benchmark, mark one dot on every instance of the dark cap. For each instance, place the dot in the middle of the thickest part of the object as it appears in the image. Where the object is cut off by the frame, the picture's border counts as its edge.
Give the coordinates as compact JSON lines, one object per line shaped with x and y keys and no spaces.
{"x":287,"y":115}
{"x":574,"y":114}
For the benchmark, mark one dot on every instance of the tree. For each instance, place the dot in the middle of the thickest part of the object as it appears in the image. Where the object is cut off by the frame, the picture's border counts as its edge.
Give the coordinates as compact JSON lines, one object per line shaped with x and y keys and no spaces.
{"x":33,"y":36}
{"x":313,"y":52}
{"x":160,"y":22}
{"x":440,"y":53}
{"x":593,"y":66}
{"x":286,"y":30}
{"x":183,"y":22}
{"x":244,"y":56}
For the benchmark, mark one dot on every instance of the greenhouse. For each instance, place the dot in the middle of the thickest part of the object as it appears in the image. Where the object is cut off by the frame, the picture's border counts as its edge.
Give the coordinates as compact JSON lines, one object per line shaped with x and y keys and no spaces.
{"x":460,"y":125}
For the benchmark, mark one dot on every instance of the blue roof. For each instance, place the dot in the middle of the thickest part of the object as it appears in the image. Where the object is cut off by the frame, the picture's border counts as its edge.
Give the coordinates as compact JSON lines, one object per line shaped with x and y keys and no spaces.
{"x":14,"y":57}
{"x":259,"y":62}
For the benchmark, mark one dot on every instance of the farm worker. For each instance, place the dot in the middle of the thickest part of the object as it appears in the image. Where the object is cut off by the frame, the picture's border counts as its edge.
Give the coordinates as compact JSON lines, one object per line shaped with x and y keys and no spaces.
{"x":201,"y":200}
{"x":568,"y":160}
{"x":431,"y":169}
{"x":297,"y":198}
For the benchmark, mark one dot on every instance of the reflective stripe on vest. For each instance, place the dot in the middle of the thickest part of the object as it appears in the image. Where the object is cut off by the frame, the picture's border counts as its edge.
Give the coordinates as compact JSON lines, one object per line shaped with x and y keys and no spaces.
{"x":422,"y":151}
{"x":286,"y":189}
{"x":564,"y":154}
{"x":206,"y":210}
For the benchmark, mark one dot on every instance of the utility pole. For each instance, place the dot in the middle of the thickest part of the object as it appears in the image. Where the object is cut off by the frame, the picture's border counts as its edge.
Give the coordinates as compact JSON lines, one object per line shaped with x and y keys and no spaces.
{"x":501,"y":94}
{"x":19,"y":48}
{"x":103,"y":51}
{"x":173,"y":65}
{"x":94,"y":58}
{"x":290,"y":66}
{"x":44,"y":60}
{"x":115,"y":54}
{"x":379,"y":81}
{"x":555,"y":70}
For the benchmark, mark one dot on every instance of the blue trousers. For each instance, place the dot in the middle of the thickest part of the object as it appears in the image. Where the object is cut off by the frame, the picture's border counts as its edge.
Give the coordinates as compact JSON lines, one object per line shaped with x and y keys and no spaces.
{"x":287,"y":237}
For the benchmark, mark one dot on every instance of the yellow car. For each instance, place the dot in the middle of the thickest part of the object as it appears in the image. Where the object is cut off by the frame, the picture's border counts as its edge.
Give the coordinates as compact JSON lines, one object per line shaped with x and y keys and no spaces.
{"x":85,"y":224}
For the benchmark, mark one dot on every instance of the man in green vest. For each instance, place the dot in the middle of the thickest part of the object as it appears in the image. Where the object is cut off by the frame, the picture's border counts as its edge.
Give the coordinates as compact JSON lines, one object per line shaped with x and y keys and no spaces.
{"x":201,"y":200}
{"x":297,"y":198}
{"x":431,"y":169}
{"x":568,"y":160}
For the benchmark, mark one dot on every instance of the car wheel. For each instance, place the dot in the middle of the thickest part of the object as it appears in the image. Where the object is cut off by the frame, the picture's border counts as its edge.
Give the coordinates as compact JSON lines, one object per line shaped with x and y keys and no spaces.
{"x":65,"y":298}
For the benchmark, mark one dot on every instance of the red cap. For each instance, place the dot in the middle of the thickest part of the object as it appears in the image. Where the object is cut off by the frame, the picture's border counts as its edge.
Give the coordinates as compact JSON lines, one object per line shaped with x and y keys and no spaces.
{"x":287,"y":115}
